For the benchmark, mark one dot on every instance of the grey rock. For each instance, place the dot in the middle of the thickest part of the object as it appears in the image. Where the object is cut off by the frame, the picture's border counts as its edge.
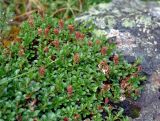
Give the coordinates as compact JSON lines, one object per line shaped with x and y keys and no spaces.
{"x":157,"y":118}
{"x":130,"y":59}
{"x":135,"y":27}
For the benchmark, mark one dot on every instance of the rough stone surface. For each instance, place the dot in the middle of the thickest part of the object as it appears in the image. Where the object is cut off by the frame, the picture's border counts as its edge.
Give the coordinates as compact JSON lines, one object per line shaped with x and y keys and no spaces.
{"x":135,"y":25}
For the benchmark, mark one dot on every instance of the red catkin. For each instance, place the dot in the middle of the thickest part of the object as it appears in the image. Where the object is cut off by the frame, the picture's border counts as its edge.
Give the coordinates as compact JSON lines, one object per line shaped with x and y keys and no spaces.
{"x":76,"y":58}
{"x":46,"y":31}
{"x":106,"y":100}
{"x":21,"y":52}
{"x":79,"y":36}
{"x":31,"y":21}
{"x":56,"y":43}
{"x":98,"y":42}
{"x":71,"y":28}
{"x":39,"y":31}
{"x":106,"y":87}
{"x":42,"y":71}
{"x":69,"y":90}
{"x":139,"y":68}
{"x":46,"y":49}
{"x":61,"y":24}
{"x":65,"y":119}
{"x":56,"y":31}
{"x":76,"y":116}
{"x":90,"y":43}
{"x":103,"y":50}
{"x":116,"y":59}
{"x":100,"y":107}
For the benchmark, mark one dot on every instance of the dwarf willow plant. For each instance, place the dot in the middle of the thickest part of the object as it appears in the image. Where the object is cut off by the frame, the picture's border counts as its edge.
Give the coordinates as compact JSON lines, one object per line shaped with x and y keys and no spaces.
{"x":61,"y":71}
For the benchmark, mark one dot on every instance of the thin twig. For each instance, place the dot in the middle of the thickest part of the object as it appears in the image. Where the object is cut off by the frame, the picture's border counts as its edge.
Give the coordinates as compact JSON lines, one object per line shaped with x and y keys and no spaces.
{"x":72,"y":12}
{"x":38,"y":4}
{"x":80,"y":5}
{"x":23,"y":15}
{"x":59,"y":10}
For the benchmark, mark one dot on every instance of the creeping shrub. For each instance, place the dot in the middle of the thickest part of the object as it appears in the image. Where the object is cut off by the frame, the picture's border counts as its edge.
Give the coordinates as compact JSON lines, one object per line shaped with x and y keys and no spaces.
{"x":60,"y":71}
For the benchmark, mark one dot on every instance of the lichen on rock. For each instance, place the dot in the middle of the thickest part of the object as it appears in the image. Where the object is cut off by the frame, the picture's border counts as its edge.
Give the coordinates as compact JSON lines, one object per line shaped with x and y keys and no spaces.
{"x":135,"y":25}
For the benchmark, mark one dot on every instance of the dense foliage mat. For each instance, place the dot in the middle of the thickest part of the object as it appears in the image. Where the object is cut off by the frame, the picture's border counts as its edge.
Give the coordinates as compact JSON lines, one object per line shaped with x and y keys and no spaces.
{"x":61,"y":71}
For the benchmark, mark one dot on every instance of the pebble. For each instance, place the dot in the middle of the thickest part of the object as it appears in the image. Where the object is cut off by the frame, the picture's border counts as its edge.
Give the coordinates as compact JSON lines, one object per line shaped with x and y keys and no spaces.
{"x":155,"y":42}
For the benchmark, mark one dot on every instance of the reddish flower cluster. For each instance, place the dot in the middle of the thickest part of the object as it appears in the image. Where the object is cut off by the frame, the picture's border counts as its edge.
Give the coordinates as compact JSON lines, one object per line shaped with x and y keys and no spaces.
{"x":110,"y":107}
{"x":46,"y":31}
{"x":116,"y":59}
{"x":21,"y":52}
{"x":56,"y":31}
{"x":102,"y":64}
{"x":79,"y":35}
{"x":90,"y":43}
{"x":76,"y":58}
{"x":104,"y":67}
{"x":124,"y":83}
{"x":105,"y":87}
{"x":61,"y":24}
{"x":35,"y":119}
{"x":42,"y":71}
{"x":76,"y":116}
{"x":69,"y":90}
{"x":39,"y":31}
{"x":98,"y":42}
{"x":71,"y":28}
{"x":100,"y":107}
{"x":56,"y":43}
{"x":103,"y":50}
{"x":31,"y":21}
{"x":106,"y":100}
{"x":46,"y":49}
{"x":65,"y":119}
{"x":139,"y":68}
